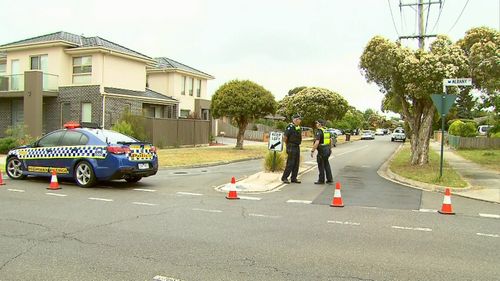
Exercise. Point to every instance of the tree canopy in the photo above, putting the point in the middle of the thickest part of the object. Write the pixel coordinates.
(243, 102)
(313, 104)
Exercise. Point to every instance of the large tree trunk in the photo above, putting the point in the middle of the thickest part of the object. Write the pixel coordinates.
(420, 121)
(242, 126)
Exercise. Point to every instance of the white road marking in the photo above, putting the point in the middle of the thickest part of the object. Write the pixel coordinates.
(490, 216)
(163, 278)
(142, 189)
(427, 210)
(15, 190)
(299, 201)
(144, 204)
(250, 198)
(412, 228)
(56, 194)
(349, 151)
(310, 163)
(264, 216)
(189, 193)
(345, 222)
(101, 199)
(371, 208)
(208, 211)
(488, 235)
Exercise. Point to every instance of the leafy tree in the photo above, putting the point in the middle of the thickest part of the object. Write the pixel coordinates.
(296, 90)
(353, 119)
(243, 102)
(465, 104)
(408, 77)
(313, 104)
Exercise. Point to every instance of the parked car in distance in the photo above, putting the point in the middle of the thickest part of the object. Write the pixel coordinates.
(86, 155)
(379, 132)
(398, 134)
(367, 135)
(483, 129)
(334, 135)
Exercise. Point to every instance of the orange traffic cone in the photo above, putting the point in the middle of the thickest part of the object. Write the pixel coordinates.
(1, 179)
(232, 190)
(337, 197)
(446, 209)
(54, 184)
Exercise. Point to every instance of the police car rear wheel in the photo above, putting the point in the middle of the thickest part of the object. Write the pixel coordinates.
(84, 174)
(15, 169)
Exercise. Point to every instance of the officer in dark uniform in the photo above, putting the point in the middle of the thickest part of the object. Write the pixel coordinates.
(323, 144)
(293, 138)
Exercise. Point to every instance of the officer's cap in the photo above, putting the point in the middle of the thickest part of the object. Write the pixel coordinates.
(321, 121)
(297, 116)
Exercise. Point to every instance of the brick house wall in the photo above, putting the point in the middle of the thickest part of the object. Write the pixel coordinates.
(51, 115)
(115, 108)
(5, 115)
(75, 96)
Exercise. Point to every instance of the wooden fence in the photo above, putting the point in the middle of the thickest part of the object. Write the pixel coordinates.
(176, 132)
(473, 143)
(232, 132)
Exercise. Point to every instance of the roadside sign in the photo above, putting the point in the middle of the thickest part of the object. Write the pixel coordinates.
(275, 141)
(443, 103)
(457, 82)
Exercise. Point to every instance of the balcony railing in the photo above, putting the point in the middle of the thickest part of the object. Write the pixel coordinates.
(12, 83)
(15, 82)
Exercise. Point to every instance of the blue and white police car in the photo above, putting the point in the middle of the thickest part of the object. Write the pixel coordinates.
(85, 154)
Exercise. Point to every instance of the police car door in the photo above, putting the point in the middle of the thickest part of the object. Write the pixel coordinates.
(42, 155)
(70, 144)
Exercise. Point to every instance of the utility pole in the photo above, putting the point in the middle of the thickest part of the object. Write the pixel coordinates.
(420, 18)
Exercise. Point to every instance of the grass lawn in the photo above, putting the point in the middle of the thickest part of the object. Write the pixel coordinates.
(429, 173)
(487, 157)
(205, 155)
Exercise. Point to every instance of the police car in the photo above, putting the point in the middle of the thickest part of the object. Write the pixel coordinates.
(85, 154)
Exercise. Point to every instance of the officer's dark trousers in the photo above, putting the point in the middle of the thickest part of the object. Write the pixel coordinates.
(292, 162)
(323, 164)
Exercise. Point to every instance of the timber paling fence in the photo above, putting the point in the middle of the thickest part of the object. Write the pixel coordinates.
(473, 143)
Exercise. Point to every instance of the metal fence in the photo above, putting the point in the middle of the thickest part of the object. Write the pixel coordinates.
(473, 143)
(177, 132)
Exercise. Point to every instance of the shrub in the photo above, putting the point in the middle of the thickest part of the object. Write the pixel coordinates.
(461, 129)
(135, 123)
(280, 161)
(495, 135)
(281, 125)
(123, 127)
(19, 133)
(7, 144)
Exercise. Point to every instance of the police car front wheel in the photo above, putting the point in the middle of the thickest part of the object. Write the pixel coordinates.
(14, 169)
(84, 174)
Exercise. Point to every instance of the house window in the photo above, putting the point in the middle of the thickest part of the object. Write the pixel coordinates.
(184, 113)
(183, 92)
(190, 83)
(3, 67)
(86, 112)
(205, 114)
(198, 89)
(82, 70)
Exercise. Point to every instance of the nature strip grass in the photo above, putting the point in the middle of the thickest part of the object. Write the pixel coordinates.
(488, 157)
(206, 155)
(428, 173)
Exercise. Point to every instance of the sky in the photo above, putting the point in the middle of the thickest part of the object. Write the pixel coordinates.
(279, 44)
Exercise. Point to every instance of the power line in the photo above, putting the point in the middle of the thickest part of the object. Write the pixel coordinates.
(459, 15)
(392, 16)
(441, 7)
(428, 13)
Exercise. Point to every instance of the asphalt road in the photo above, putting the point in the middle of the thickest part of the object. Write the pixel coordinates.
(176, 225)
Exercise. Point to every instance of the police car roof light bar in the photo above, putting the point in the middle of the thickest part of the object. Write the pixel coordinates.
(71, 125)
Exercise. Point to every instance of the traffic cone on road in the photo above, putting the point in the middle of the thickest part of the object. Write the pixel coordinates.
(446, 209)
(54, 184)
(1, 179)
(337, 197)
(232, 190)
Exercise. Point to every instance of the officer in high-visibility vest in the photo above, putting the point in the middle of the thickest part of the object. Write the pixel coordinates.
(323, 144)
(293, 139)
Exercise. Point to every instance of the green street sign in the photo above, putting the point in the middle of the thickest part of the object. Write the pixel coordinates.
(443, 103)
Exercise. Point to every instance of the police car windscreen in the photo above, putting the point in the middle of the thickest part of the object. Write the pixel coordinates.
(116, 138)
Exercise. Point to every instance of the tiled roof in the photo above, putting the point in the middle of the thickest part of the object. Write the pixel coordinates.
(147, 93)
(79, 41)
(166, 63)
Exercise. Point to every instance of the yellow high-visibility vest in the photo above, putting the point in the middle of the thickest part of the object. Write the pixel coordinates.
(326, 137)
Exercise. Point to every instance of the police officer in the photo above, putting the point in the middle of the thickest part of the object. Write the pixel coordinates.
(293, 138)
(322, 143)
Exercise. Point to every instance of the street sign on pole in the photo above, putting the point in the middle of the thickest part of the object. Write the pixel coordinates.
(443, 103)
(275, 141)
(457, 82)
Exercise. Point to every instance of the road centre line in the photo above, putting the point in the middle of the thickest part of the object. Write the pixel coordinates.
(250, 198)
(56, 194)
(412, 228)
(15, 190)
(488, 235)
(299, 201)
(101, 199)
(264, 216)
(493, 216)
(344, 222)
(189, 193)
(143, 189)
(426, 211)
(144, 204)
(208, 211)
